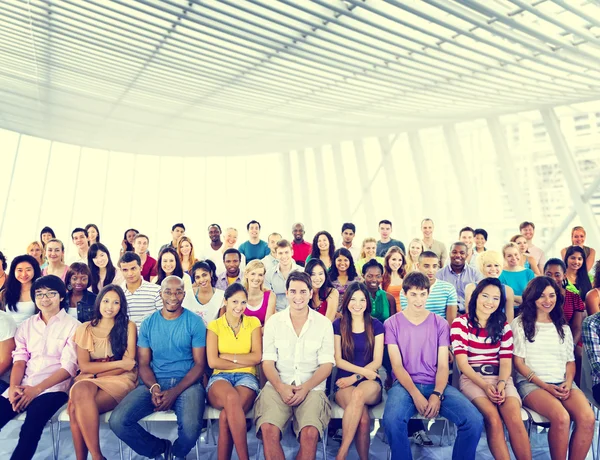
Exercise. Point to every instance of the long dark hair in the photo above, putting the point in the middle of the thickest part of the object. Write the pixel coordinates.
(533, 292)
(160, 272)
(118, 334)
(316, 252)
(12, 290)
(346, 323)
(88, 226)
(110, 268)
(127, 243)
(326, 288)
(209, 267)
(497, 320)
(583, 281)
(333, 271)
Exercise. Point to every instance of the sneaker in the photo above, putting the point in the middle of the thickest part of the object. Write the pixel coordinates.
(420, 438)
(337, 436)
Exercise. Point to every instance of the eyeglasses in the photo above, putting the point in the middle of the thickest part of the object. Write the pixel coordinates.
(48, 295)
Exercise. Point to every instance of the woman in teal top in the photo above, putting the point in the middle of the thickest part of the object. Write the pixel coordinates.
(514, 274)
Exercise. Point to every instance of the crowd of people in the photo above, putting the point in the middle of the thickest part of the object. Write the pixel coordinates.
(288, 326)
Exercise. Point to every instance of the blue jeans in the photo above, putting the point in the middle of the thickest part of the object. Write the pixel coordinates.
(188, 407)
(399, 408)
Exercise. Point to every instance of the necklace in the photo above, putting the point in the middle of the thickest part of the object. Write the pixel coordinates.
(236, 327)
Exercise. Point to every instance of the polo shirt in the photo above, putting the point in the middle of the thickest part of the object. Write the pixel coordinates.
(275, 282)
(301, 251)
(143, 302)
(223, 281)
(459, 281)
(297, 357)
(232, 344)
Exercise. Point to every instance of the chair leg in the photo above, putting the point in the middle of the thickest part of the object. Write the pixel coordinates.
(258, 449)
(120, 449)
(212, 434)
(53, 440)
(197, 449)
(325, 444)
(57, 440)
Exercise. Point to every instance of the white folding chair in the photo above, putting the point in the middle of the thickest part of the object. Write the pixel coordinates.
(586, 387)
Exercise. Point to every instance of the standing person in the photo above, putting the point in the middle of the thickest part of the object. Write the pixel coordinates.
(233, 273)
(458, 273)
(34, 249)
(204, 298)
(577, 279)
(3, 265)
(254, 248)
(527, 229)
(480, 239)
(171, 358)
(276, 277)
(177, 231)
(102, 269)
(368, 252)
(80, 299)
(415, 248)
(301, 249)
(592, 298)
(490, 266)
(168, 264)
(140, 247)
(270, 260)
(143, 298)
(348, 234)
(231, 236)
(467, 235)
(296, 380)
(591, 343)
(514, 274)
(44, 362)
(545, 364)
(325, 298)
(261, 301)
(80, 240)
(343, 271)
(578, 239)
(93, 233)
(527, 259)
(16, 298)
(482, 343)
(385, 242)
(323, 248)
(234, 349)
(358, 357)
(394, 271)
(214, 250)
(417, 342)
(128, 239)
(185, 251)
(55, 255)
(106, 348)
(46, 235)
(429, 244)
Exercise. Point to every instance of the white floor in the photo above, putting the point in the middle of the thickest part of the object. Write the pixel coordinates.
(110, 445)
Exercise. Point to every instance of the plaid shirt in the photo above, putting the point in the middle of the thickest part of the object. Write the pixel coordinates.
(591, 342)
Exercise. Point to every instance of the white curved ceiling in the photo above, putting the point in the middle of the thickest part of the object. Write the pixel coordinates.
(176, 77)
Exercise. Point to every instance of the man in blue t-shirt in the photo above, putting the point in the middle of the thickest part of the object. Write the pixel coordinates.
(171, 358)
(254, 248)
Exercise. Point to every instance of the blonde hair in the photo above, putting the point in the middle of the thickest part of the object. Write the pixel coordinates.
(489, 257)
(39, 245)
(510, 245)
(191, 258)
(410, 264)
(362, 248)
(254, 265)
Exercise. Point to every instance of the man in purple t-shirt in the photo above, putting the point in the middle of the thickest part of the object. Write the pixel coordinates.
(417, 342)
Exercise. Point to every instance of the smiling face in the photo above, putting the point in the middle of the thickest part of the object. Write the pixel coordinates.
(185, 248)
(575, 261)
(369, 249)
(298, 233)
(512, 256)
(298, 295)
(48, 301)
(491, 270)
(35, 251)
(254, 230)
(236, 304)
(427, 228)
(255, 278)
(556, 273)
(24, 272)
(458, 255)
(578, 237)
(342, 264)
(415, 249)
(480, 241)
(92, 235)
(547, 300)
(231, 238)
(373, 278)
(232, 264)
(172, 295)
(46, 237)
(80, 240)
(167, 262)
(323, 243)
(273, 240)
(416, 299)
(214, 234)
(284, 255)
(357, 304)
(79, 282)
(395, 261)
(467, 238)
(528, 232)
(202, 278)
(140, 245)
(318, 277)
(488, 302)
(110, 305)
(54, 252)
(521, 242)
(101, 259)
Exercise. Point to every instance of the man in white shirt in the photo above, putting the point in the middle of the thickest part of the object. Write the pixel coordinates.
(298, 356)
(79, 237)
(215, 250)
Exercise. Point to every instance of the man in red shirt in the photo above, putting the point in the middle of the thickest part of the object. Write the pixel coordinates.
(300, 247)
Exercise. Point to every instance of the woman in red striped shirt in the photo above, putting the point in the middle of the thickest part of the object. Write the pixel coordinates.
(482, 343)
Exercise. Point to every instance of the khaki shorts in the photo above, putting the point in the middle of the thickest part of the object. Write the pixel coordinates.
(315, 411)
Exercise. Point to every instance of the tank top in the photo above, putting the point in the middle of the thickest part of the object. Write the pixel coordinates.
(395, 292)
(322, 308)
(259, 312)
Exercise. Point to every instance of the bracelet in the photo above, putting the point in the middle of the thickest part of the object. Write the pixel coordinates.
(154, 385)
(530, 376)
(501, 380)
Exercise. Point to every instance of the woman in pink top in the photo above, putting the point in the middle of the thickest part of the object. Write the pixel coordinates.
(261, 301)
(45, 360)
(55, 255)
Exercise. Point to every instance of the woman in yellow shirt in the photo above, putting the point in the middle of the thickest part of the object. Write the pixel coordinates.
(234, 349)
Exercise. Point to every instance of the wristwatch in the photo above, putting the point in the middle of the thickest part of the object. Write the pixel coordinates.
(358, 377)
(438, 394)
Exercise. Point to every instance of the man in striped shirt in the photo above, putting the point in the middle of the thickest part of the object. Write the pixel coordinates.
(591, 342)
(143, 298)
(442, 298)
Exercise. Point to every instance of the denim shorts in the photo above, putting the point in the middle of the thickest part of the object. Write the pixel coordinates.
(237, 379)
(525, 388)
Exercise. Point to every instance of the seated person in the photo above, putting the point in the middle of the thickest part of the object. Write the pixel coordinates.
(79, 298)
(44, 362)
(8, 327)
(514, 274)
(591, 344)
(296, 380)
(171, 360)
(234, 349)
(358, 356)
(482, 343)
(418, 342)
